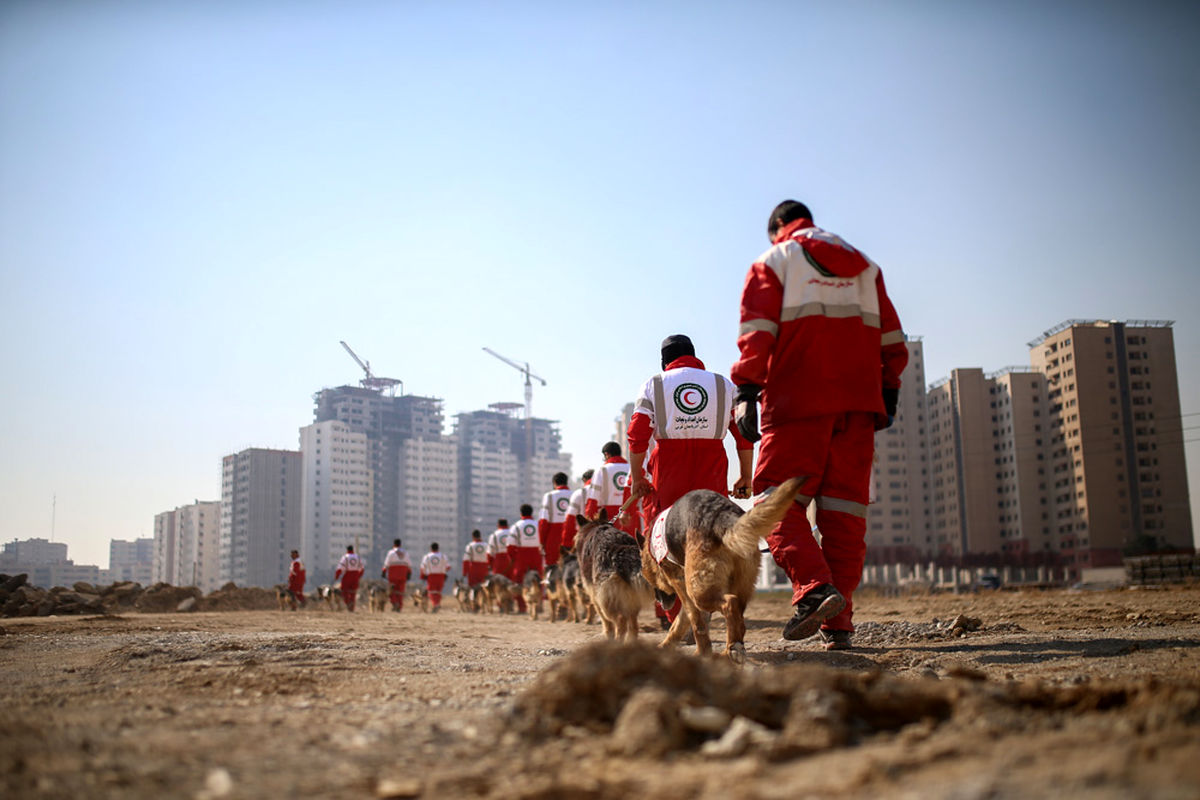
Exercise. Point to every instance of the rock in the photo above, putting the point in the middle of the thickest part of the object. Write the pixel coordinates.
(186, 605)
(741, 735)
(706, 719)
(15, 581)
(649, 724)
(217, 783)
(397, 788)
(83, 587)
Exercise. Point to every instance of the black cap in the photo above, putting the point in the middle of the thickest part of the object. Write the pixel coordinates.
(674, 346)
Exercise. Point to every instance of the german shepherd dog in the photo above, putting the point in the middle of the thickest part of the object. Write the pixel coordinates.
(331, 596)
(561, 579)
(611, 569)
(711, 561)
(500, 594)
(283, 597)
(377, 596)
(420, 597)
(531, 593)
(467, 597)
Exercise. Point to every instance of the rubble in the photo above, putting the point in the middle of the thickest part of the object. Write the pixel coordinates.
(19, 598)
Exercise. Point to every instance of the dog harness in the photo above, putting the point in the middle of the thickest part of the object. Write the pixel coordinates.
(658, 539)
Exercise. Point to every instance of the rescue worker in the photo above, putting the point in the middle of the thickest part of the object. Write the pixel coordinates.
(553, 518)
(524, 550)
(609, 482)
(350, 569)
(475, 560)
(497, 547)
(396, 569)
(821, 346)
(684, 411)
(574, 508)
(434, 568)
(296, 577)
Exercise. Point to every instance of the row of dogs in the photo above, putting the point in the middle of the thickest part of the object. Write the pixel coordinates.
(711, 564)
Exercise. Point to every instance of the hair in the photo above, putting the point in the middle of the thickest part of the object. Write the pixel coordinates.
(611, 449)
(295, 552)
(475, 534)
(559, 478)
(433, 548)
(502, 523)
(396, 542)
(786, 212)
(526, 509)
(587, 474)
(349, 548)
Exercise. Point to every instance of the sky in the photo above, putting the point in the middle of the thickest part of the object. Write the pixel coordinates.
(200, 200)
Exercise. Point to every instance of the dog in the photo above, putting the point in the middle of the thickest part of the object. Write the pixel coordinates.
(610, 566)
(331, 596)
(420, 597)
(561, 579)
(377, 596)
(465, 595)
(531, 592)
(283, 597)
(500, 594)
(704, 549)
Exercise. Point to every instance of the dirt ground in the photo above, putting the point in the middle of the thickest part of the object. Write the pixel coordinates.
(1053, 694)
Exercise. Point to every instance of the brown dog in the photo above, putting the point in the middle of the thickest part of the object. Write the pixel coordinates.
(611, 569)
(704, 548)
(420, 597)
(531, 592)
(500, 594)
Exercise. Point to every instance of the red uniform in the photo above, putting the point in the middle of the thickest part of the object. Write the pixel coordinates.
(397, 568)
(475, 562)
(434, 567)
(574, 506)
(686, 411)
(552, 520)
(524, 549)
(296, 578)
(350, 569)
(608, 488)
(497, 548)
(820, 336)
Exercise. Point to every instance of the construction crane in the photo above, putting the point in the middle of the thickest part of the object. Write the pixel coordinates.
(385, 385)
(528, 383)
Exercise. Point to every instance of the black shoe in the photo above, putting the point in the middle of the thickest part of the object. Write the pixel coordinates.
(814, 608)
(836, 640)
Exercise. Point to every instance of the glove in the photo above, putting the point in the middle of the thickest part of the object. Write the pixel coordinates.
(745, 411)
(891, 397)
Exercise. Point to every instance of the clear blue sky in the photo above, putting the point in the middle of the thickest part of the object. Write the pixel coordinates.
(199, 200)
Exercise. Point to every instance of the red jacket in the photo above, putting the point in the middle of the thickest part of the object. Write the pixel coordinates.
(818, 332)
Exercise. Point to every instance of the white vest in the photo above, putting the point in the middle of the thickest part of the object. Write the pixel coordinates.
(526, 533)
(555, 505)
(687, 403)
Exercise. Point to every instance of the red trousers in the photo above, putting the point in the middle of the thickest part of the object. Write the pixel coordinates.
(397, 578)
(435, 583)
(501, 564)
(350, 589)
(568, 531)
(523, 560)
(552, 541)
(835, 451)
(476, 572)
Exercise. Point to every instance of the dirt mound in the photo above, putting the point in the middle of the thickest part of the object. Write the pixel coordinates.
(653, 702)
(233, 598)
(163, 597)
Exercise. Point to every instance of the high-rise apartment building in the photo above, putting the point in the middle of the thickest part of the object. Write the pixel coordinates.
(389, 422)
(337, 490)
(132, 561)
(502, 463)
(898, 523)
(428, 494)
(260, 515)
(187, 545)
(1116, 475)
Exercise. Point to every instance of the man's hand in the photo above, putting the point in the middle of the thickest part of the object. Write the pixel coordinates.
(640, 487)
(891, 398)
(745, 411)
(741, 489)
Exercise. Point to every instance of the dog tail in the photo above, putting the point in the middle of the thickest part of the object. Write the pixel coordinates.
(755, 524)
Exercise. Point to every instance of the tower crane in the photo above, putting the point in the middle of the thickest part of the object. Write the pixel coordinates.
(524, 368)
(370, 381)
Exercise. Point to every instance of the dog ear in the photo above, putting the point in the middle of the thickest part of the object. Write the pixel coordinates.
(641, 540)
(581, 520)
(603, 515)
